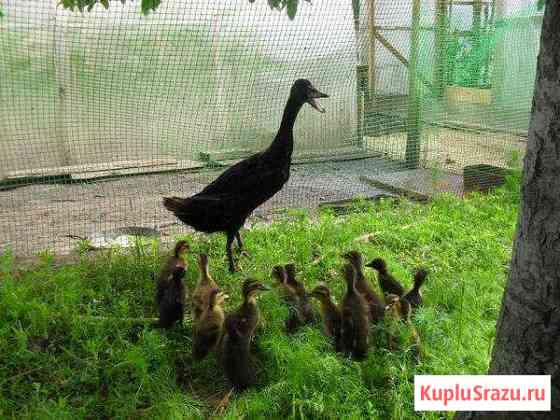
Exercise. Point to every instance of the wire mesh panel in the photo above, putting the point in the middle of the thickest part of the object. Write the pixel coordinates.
(89, 99)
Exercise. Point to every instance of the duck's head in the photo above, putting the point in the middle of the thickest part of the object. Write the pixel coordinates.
(181, 248)
(290, 272)
(377, 264)
(279, 273)
(251, 287)
(353, 257)
(321, 293)
(304, 91)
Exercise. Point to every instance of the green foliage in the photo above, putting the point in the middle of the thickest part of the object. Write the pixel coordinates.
(468, 58)
(74, 341)
(148, 6)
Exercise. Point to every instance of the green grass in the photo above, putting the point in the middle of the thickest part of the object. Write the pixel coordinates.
(56, 361)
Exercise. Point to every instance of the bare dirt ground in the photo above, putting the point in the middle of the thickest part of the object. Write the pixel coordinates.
(452, 150)
(38, 217)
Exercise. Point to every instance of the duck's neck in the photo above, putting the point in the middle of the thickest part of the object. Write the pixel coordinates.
(283, 143)
(328, 305)
(351, 287)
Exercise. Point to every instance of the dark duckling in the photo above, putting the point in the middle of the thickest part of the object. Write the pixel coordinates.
(398, 315)
(304, 303)
(208, 329)
(204, 288)
(388, 284)
(289, 296)
(355, 317)
(376, 306)
(414, 296)
(207, 312)
(240, 328)
(170, 291)
(332, 316)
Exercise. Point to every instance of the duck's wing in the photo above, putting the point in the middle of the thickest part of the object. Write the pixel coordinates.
(254, 177)
(230, 179)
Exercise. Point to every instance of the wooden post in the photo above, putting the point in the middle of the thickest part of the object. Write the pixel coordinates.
(359, 93)
(440, 61)
(61, 66)
(498, 68)
(412, 154)
(371, 50)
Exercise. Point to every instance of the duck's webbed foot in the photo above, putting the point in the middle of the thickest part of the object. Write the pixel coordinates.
(240, 246)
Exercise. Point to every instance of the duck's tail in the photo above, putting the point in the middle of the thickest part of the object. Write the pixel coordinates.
(173, 204)
(420, 278)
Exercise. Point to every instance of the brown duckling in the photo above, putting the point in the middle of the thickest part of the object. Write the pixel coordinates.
(208, 328)
(240, 328)
(304, 305)
(399, 311)
(355, 317)
(414, 296)
(204, 288)
(289, 296)
(387, 282)
(376, 306)
(332, 317)
(170, 290)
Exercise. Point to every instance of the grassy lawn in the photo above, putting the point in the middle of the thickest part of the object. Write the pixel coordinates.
(66, 352)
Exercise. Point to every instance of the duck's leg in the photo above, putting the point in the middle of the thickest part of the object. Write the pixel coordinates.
(229, 246)
(239, 242)
(240, 245)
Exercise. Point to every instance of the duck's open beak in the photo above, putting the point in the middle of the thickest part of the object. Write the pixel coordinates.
(312, 100)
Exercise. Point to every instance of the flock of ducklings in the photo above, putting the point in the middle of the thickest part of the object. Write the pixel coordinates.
(231, 335)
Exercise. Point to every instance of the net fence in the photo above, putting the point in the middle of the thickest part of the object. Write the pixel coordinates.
(104, 112)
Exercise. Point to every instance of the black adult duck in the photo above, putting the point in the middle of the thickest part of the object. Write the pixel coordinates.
(225, 204)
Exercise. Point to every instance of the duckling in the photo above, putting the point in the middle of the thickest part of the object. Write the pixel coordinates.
(387, 282)
(332, 317)
(414, 296)
(170, 290)
(208, 329)
(289, 296)
(239, 331)
(304, 306)
(399, 311)
(204, 288)
(376, 307)
(355, 317)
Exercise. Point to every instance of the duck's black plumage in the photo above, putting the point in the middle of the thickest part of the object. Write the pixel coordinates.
(332, 317)
(414, 296)
(170, 290)
(355, 317)
(388, 283)
(170, 298)
(225, 204)
(376, 307)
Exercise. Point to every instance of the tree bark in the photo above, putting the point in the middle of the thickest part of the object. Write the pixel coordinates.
(528, 330)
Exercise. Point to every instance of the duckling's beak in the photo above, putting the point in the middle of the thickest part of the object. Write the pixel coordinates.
(262, 287)
(312, 99)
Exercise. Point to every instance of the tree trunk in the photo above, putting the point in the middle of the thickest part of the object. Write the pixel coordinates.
(528, 330)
